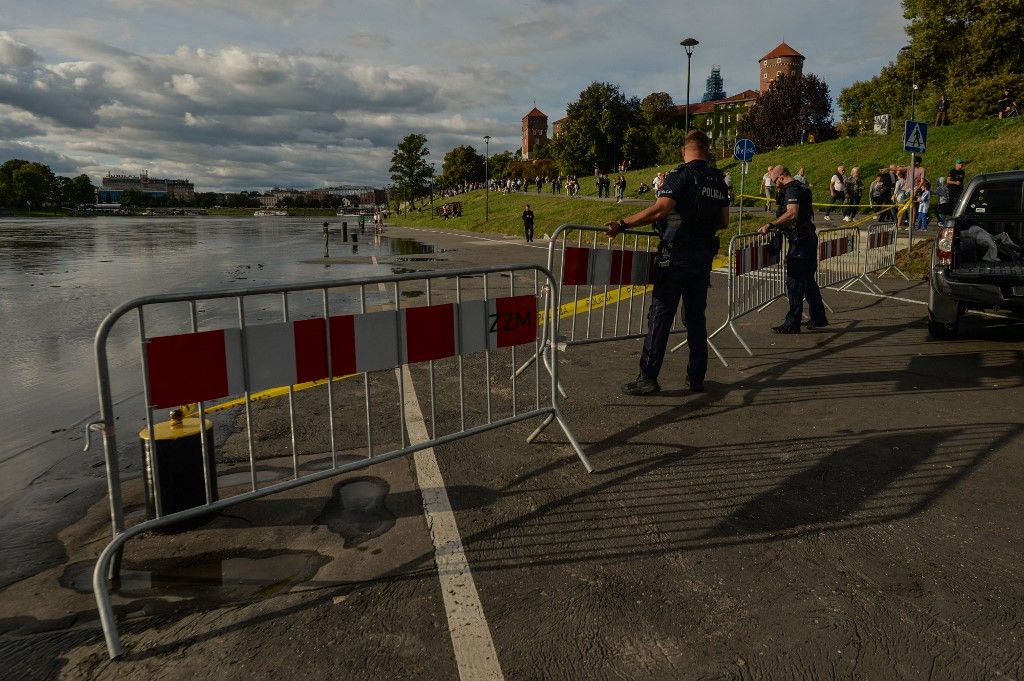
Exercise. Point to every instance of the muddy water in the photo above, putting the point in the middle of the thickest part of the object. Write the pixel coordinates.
(59, 278)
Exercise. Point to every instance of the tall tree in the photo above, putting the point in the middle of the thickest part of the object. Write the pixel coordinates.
(462, 164)
(595, 132)
(658, 108)
(791, 106)
(32, 184)
(82, 189)
(409, 168)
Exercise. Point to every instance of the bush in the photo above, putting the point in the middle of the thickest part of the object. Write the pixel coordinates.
(978, 100)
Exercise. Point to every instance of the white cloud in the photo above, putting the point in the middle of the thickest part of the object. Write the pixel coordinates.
(16, 54)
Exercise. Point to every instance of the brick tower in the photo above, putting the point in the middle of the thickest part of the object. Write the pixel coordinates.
(783, 60)
(535, 130)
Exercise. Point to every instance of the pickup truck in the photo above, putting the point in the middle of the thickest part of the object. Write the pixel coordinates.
(977, 261)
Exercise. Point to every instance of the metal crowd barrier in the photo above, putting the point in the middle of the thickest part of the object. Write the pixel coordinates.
(839, 262)
(880, 254)
(757, 278)
(608, 274)
(342, 337)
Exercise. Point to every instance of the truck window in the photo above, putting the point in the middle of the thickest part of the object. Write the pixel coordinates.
(996, 197)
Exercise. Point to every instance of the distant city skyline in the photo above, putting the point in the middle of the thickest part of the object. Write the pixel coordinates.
(310, 93)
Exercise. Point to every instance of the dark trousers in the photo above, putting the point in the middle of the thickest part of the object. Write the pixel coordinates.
(528, 230)
(838, 199)
(801, 265)
(671, 284)
(852, 201)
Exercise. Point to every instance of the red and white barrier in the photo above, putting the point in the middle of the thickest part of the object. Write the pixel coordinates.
(599, 267)
(880, 256)
(838, 257)
(209, 365)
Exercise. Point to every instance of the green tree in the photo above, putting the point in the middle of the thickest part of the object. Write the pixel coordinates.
(658, 108)
(792, 105)
(954, 46)
(596, 131)
(498, 165)
(82, 189)
(61, 191)
(409, 168)
(32, 183)
(461, 164)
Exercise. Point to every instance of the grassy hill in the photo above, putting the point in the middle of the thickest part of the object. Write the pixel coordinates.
(988, 145)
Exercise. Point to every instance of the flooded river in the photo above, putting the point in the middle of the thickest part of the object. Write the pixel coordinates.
(60, 277)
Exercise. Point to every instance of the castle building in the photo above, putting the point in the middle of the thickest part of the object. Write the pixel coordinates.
(535, 131)
(783, 60)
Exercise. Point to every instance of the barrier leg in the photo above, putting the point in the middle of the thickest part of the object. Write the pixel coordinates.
(575, 444)
(100, 589)
(547, 365)
(717, 353)
(540, 429)
(740, 338)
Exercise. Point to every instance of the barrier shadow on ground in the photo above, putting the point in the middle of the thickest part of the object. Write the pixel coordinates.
(688, 499)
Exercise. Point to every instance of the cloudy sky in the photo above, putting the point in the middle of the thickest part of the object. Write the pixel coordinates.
(249, 94)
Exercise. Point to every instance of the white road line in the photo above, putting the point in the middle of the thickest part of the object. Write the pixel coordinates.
(475, 656)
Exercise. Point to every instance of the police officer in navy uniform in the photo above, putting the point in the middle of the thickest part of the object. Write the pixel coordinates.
(794, 218)
(692, 205)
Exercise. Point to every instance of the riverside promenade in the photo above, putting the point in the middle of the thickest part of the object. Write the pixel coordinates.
(828, 508)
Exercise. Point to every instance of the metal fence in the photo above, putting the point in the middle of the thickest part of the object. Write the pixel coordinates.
(606, 283)
(839, 258)
(880, 254)
(757, 277)
(368, 331)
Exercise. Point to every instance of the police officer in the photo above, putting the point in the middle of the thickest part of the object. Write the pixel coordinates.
(794, 218)
(692, 205)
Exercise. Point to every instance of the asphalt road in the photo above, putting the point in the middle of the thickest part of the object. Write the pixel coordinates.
(844, 504)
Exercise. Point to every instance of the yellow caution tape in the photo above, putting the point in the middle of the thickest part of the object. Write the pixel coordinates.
(885, 206)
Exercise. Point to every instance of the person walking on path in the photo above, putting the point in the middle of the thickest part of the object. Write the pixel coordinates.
(528, 223)
(620, 189)
(768, 189)
(854, 190)
(794, 219)
(836, 191)
(691, 208)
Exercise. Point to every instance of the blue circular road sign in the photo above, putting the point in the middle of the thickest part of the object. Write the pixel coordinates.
(744, 150)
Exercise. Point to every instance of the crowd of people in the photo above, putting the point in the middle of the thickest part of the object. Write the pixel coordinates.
(887, 194)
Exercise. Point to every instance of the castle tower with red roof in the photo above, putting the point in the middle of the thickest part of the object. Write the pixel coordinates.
(783, 60)
(535, 131)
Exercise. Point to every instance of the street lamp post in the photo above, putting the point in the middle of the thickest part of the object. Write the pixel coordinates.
(688, 45)
(911, 174)
(431, 190)
(487, 180)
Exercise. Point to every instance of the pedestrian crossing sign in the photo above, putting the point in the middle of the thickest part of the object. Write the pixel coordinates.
(915, 137)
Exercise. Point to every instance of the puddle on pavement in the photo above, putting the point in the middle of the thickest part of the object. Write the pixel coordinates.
(223, 578)
(324, 464)
(412, 294)
(242, 477)
(356, 510)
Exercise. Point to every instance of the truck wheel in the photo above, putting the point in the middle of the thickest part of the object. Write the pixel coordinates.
(938, 330)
